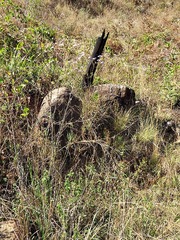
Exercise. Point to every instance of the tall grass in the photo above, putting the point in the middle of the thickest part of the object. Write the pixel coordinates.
(131, 191)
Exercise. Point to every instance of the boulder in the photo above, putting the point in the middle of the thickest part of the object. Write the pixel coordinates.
(112, 98)
(60, 115)
(124, 96)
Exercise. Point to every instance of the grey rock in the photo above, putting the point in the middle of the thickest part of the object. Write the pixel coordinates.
(109, 92)
(60, 115)
(112, 98)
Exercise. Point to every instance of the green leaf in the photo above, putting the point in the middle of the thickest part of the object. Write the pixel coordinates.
(25, 112)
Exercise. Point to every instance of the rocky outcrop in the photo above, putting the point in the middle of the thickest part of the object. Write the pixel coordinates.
(60, 113)
(60, 116)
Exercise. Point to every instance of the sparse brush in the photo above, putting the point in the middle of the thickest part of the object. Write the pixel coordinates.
(147, 133)
(121, 184)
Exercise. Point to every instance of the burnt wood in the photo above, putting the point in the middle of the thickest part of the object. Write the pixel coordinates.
(97, 52)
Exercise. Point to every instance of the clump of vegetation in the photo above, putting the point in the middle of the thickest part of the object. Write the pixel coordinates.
(132, 190)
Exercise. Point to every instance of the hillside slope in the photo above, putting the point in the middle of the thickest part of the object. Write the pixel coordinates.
(47, 44)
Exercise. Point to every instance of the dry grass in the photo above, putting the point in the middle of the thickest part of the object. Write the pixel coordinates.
(46, 44)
